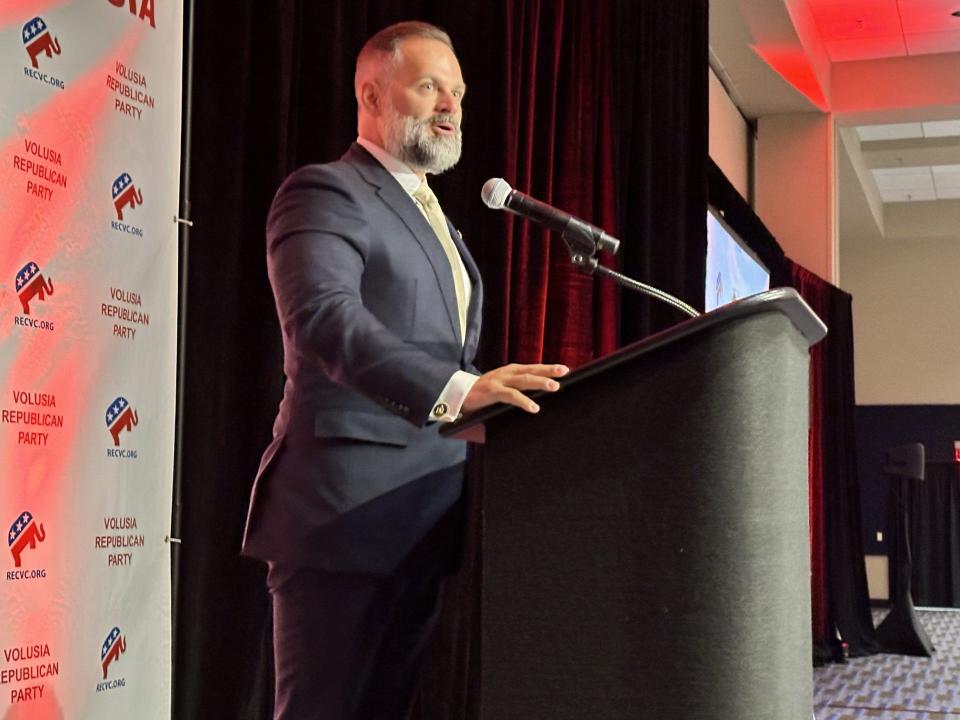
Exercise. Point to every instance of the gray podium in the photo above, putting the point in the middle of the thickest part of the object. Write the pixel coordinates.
(644, 543)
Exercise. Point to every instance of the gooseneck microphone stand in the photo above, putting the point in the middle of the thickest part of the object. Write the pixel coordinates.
(583, 255)
(583, 240)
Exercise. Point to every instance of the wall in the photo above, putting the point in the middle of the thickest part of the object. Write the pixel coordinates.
(906, 304)
(795, 187)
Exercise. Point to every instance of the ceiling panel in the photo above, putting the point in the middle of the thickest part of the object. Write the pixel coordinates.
(921, 16)
(911, 184)
(876, 47)
(946, 179)
(933, 42)
(941, 128)
(918, 180)
(901, 171)
(896, 131)
(907, 195)
(868, 29)
(855, 19)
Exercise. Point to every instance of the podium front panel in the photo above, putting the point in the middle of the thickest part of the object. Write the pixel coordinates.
(645, 538)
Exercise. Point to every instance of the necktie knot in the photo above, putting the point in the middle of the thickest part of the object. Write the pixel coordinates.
(424, 195)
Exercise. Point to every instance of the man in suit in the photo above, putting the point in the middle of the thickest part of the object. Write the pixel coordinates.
(355, 505)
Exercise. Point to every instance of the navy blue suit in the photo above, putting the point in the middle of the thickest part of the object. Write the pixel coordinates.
(354, 496)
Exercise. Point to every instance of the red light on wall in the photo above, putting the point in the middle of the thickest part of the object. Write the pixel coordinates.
(792, 65)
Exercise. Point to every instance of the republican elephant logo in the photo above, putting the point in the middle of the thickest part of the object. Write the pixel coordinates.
(24, 531)
(37, 39)
(120, 417)
(125, 193)
(31, 284)
(114, 645)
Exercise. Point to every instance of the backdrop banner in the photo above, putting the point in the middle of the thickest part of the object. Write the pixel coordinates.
(90, 108)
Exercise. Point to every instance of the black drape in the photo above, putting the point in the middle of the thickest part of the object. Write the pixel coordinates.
(273, 90)
(661, 63)
(835, 520)
(933, 511)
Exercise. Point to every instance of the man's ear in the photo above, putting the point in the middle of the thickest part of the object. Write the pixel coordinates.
(370, 98)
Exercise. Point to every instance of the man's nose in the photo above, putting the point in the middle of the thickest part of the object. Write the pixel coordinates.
(447, 102)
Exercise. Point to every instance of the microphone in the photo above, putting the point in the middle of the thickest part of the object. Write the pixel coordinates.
(498, 194)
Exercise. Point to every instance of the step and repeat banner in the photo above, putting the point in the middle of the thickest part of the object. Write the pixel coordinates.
(90, 108)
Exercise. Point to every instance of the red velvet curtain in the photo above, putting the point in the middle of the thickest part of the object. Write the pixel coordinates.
(810, 287)
(557, 119)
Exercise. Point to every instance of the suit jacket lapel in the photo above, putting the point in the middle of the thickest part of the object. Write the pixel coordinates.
(476, 295)
(389, 190)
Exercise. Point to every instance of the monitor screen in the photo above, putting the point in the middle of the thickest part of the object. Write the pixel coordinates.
(732, 272)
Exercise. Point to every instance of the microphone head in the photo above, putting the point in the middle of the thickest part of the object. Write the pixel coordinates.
(494, 193)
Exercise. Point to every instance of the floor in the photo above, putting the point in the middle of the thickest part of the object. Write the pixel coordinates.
(897, 687)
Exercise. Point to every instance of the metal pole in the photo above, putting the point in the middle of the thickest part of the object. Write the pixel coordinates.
(184, 223)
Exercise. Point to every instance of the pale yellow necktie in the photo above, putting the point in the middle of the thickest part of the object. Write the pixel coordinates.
(428, 201)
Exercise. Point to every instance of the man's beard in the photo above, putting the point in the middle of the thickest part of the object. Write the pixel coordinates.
(413, 141)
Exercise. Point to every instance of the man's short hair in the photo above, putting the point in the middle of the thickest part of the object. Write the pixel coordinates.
(385, 45)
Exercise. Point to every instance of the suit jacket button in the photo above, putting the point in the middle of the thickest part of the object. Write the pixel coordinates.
(439, 410)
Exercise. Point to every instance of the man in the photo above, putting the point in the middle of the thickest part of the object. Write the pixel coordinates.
(354, 507)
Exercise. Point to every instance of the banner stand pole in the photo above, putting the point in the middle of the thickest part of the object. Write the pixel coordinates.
(185, 224)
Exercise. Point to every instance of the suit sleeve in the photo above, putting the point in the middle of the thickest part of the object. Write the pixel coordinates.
(318, 242)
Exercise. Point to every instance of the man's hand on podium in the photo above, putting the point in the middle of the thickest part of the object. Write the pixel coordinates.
(505, 385)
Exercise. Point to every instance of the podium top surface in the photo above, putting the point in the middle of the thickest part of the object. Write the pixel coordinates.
(786, 301)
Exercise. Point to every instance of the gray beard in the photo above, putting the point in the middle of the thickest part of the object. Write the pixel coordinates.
(415, 144)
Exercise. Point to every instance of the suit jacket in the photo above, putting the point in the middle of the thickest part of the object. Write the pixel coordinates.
(367, 309)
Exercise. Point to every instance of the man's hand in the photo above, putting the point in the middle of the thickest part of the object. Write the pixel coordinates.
(504, 385)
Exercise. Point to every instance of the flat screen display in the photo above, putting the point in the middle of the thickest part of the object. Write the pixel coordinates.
(732, 272)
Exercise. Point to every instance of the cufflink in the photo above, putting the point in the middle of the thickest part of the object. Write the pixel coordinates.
(439, 410)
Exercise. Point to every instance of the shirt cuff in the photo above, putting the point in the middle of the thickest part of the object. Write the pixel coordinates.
(447, 407)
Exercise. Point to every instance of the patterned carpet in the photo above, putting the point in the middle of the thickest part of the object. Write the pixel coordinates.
(896, 687)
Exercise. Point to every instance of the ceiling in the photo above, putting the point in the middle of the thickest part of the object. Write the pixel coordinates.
(889, 73)
(870, 29)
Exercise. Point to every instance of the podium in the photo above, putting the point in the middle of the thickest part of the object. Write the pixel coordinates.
(644, 545)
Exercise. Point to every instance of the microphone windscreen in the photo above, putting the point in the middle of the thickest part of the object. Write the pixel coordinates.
(494, 193)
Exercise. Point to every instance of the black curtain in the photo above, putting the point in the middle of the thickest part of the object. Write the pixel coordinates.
(839, 574)
(661, 64)
(933, 511)
(272, 91)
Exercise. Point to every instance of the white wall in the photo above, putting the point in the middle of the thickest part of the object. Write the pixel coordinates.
(796, 177)
(906, 319)
(729, 137)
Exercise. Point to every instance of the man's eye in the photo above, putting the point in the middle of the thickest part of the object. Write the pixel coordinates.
(427, 86)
